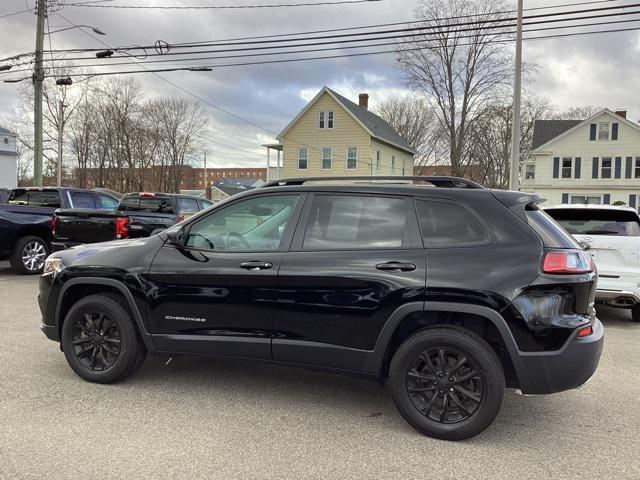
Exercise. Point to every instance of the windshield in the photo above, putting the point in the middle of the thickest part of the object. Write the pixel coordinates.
(623, 223)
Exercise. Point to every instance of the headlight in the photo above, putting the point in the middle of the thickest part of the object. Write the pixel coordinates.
(52, 264)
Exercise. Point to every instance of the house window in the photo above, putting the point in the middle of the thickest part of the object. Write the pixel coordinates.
(530, 172)
(603, 131)
(352, 158)
(393, 164)
(326, 158)
(566, 167)
(302, 159)
(320, 120)
(378, 161)
(6, 141)
(606, 168)
(404, 167)
(637, 173)
(586, 199)
(329, 119)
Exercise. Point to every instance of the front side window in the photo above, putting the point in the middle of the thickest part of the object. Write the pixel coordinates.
(326, 158)
(606, 168)
(320, 119)
(35, 198)
(566, 167)
(329, 119)
(603, 131)
(530, 172)
(352, 158)
(107, 203)
(254, 224)
(339, 222)
(446, 224)
(303, 159)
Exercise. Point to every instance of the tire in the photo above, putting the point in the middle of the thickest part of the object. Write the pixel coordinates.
(419, 391)
(92, 357)
(29, 254)
(635, 313)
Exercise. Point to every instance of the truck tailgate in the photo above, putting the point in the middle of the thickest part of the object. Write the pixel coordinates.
(85, 226)
(142, 224)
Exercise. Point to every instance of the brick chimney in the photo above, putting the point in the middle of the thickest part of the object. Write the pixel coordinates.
(621, 112)
(363, 100)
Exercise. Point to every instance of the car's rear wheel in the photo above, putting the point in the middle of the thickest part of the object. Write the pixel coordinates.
(29, 254)
(100, 340)
(635, 313)
(447, 383)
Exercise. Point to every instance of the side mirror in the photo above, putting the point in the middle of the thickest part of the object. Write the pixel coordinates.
(175, 236)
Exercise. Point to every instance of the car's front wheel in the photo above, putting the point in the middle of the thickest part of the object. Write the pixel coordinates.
(100, 340)
(447, 383)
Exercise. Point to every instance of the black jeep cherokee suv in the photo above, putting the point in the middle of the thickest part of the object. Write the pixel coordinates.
(449, 290)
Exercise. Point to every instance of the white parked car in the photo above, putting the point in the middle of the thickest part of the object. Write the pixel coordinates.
(612, 236)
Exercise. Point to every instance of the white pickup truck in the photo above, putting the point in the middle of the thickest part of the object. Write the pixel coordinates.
(612, 236)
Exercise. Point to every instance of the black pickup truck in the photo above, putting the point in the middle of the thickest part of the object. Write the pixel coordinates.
(25, 221)
(137, 215)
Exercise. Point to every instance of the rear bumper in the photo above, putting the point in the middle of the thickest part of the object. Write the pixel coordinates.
(58, 246)
(621, 298)
(565, 369)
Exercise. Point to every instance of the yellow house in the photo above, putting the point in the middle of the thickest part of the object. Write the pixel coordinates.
(333, 136)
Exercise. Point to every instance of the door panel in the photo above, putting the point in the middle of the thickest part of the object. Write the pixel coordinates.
(216, 294)
(357, 259)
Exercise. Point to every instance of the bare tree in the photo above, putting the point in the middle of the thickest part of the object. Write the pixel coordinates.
(413, 117)
(576, 113)
(461, 70)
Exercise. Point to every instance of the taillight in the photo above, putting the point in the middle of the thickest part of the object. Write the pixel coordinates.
(54, 222)
(180, 218)
(121, 227)
(585, 332)
(567, 262)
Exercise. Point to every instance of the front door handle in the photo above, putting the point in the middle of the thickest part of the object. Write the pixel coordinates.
(396, 267)
(256, 265)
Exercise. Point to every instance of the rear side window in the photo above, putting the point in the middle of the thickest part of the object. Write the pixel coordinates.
(445, 224)
(551, 233)
(188, 204)
(155, 204)
(83, 200)
(589, 221)
(35, 198)
(340, 222)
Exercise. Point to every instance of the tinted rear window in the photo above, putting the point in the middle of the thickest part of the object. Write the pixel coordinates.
(83, 200)
(597, 221)
(35, 198)
(551, 233)
(188, 204)
(157, 204)
(446, 224)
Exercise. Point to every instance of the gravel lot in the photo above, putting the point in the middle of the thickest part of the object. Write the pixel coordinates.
(205, 418)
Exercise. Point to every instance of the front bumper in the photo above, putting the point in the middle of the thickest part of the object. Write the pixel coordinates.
(564, 369)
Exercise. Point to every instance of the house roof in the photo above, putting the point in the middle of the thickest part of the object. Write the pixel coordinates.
(230, 191)
(372, 123)
(545, 130)
(4, 131)
(567, 128)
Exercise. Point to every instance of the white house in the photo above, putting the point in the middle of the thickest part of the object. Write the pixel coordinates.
(8, 159)
(596, 160)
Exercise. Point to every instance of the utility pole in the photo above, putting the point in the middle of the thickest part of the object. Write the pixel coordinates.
(38, 77)
(514, 180)
(206, 185)
(60, 129)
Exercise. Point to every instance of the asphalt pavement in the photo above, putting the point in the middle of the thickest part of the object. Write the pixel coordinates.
(203, 418)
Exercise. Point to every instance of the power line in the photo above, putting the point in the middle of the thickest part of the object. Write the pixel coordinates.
(14, 13)
(219, 7)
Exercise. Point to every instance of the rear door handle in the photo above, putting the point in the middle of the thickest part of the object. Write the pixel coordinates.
(256, 265)
(396, 267)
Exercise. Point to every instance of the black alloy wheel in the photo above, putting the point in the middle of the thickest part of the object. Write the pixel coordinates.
(445, 385)
(96, 341)
(447, 382)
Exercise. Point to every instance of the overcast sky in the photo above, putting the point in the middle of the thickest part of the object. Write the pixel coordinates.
(596, 69)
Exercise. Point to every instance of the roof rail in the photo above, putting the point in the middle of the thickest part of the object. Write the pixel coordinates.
(441, 182)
